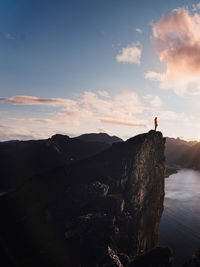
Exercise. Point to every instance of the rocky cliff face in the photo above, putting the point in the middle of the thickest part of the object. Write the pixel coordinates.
(101, 211)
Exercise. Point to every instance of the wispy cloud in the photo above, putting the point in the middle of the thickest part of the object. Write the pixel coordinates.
(154, 76)
(33, 100)
(9, 132)
(30, 120)
(120, 122)
(89, 111)
(130, 54)
(139, 30)
(177, 42)
(154, 101)
(10, 37)
(104, 93)
(123, 110)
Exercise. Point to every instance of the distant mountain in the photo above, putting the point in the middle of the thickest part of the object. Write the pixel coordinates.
(73, 149)
(175, 148)
(191, 157)
(99, 137)
(23, 159)
(182, 153)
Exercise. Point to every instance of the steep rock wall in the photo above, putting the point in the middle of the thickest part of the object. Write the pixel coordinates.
(102, 211)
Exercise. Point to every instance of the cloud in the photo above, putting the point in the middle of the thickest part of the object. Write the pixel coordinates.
(88, 112)
(30, 120)
(8, 132)
(171, 115)
(154, 76)
(119, 122)
(195, 7)
(104, 93)
(123, 112)
(139, 30)
(154, 101)
(33, 100)
(130, 54)
(177, 42)
(121, 107)
(89, 106)
(10, 37)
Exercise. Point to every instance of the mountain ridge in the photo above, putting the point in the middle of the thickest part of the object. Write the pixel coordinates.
(22, 159)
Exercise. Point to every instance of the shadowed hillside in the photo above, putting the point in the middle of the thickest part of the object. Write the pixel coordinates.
(23, 159)
(99, 211)
(175, 148)
(182, 153)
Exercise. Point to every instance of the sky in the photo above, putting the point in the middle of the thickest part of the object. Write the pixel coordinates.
(75, 66)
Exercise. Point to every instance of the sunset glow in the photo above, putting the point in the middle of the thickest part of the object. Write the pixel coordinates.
(104, 66)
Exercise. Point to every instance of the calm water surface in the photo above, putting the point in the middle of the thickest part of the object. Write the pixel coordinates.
(180, 224)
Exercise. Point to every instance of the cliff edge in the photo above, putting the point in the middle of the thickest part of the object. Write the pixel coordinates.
(101, 211)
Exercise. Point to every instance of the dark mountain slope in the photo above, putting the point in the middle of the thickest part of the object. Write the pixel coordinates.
(175, 148)
(100, 211)
(23, 159)
(182, 153)
(191, 158)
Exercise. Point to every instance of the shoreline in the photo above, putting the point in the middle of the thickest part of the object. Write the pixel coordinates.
(171, 170)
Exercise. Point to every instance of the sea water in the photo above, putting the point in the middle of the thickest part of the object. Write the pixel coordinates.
(180, 223)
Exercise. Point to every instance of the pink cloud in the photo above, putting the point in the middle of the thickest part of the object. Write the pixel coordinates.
(9, 132)
(177, 42)
(121, 122)
(33, 100)
(88, 112)
(32, 120)
(125, 111)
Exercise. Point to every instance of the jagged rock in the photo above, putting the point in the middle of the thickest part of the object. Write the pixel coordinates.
(115, 261)
(99, 208)
(125, 260)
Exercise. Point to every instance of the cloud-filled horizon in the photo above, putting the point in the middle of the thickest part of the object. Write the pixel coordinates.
(125, 109)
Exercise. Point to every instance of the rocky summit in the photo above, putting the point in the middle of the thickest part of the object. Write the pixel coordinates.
(101, 211)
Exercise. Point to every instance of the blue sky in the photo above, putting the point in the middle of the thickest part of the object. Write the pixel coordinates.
(68, 50)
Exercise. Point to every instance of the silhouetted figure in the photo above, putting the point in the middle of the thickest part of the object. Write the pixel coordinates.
(156, 123)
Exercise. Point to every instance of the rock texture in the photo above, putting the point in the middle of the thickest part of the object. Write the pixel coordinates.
(101, 211)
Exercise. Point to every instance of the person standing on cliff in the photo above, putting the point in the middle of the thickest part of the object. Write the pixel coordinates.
(156, 123)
